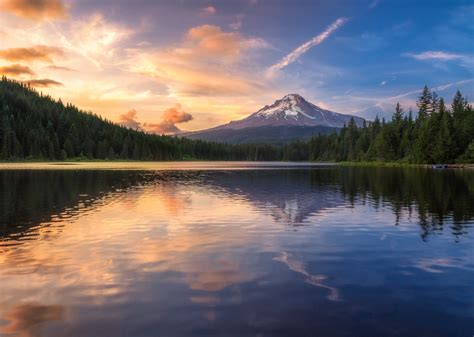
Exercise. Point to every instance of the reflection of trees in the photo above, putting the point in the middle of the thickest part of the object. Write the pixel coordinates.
(31, 197)
(437, 196)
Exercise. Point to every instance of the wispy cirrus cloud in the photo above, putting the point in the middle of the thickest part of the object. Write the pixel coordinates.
(35, 9)
(95, 38)
(54, 67)
(305, 47)
(16, 70)
(35, 53)
(385, 103)
(441, 57)
(435, 55)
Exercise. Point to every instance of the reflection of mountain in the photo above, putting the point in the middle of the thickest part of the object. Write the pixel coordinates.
(434, 197)
(32, 197)
(289, 195)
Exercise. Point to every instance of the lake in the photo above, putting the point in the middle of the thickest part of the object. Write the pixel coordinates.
(235, 249)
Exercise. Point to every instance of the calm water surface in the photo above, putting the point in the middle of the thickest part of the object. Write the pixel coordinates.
(233, 249)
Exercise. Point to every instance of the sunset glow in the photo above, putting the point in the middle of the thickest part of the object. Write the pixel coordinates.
(220, 61)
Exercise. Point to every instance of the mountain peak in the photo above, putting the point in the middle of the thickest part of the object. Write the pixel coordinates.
(294, 99)
(291, 106)
(291, 96)
(287, 113)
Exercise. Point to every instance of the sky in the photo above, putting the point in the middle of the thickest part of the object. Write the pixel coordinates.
(169, 65)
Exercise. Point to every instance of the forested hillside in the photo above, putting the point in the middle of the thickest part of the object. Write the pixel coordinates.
(37, 127)
(437, 135)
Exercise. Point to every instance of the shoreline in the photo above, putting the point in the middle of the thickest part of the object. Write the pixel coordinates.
(203, 164)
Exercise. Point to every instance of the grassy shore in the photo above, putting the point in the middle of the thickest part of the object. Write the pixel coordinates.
(344, 163)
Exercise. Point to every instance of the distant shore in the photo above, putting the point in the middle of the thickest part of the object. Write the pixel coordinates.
(398, 164)
(201, 164)
(159, 165)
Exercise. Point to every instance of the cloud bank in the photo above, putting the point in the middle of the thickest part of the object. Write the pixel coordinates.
(16, 70)
(208, 62)
(43, 83)
(35, 53)
(167, 125)
(35, 9)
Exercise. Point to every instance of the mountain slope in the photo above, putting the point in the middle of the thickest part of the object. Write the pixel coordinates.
(288, 119)
(277, 135)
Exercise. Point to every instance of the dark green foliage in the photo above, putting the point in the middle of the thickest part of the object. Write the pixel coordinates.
(437, 135)
(37, 127)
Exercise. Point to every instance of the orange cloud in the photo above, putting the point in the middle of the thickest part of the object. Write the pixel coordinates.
(130, 120)
(211, 40)
(43, 83)
(175, 115)
(169, 119)
(16, 70)
(34, 9)
(36, 53)
(206, 63)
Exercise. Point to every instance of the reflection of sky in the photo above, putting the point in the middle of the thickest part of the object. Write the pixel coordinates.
(186, 256)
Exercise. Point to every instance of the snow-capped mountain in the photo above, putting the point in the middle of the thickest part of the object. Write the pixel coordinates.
(289, 118)
(293, 109)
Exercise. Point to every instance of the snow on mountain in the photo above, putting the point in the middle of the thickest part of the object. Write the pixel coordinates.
(293, 110)
(288, 119)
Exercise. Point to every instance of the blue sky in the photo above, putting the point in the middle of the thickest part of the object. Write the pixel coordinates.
(138, 61)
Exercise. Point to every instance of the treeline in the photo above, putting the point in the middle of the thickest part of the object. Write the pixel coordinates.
(437, 135)
(37, 127)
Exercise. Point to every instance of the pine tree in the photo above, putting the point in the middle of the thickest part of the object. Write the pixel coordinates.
(424, 103)
(398, 114)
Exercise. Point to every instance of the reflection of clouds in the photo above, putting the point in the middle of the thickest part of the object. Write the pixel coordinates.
(192, 256)
(316, 280)
(153, 229)
(437, 265)
(215, 277)
(26, 320)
